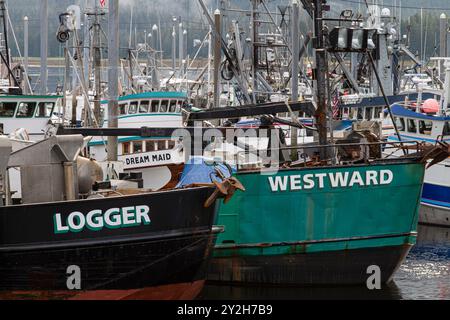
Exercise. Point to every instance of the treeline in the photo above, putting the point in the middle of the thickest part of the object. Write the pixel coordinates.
(423, 28)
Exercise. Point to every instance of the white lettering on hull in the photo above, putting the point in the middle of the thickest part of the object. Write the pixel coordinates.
(96, 220)
(335, 180)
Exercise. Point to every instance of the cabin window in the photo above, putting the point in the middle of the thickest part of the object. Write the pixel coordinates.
(345, 112)
(126, 148)
(122, 109)
(171, 145)
(360, 115)
(179, 105)
(446, 129)
(164, 106)
(162, 145)
(7, 109)
(400, 122)
(26, 109)
(45, 109)
(412, 127)
(425, 127)
(377, 112)
(368, 114)
(173, 106)
(155, 106)
(138, 147)
(132, 109)
(143, 107)
(150, 146)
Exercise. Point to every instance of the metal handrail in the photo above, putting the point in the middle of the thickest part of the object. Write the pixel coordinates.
(391, 145)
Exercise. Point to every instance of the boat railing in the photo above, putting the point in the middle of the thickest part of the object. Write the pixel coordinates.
(341, 153)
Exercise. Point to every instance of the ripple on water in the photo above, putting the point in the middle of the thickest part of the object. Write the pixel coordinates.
(426, 272)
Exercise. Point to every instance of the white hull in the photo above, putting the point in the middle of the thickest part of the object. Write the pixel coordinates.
(434, 215)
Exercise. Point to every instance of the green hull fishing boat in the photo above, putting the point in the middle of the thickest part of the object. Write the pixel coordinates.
(315, 226)
(340, 216)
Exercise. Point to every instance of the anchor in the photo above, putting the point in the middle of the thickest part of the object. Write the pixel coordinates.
(225, 188)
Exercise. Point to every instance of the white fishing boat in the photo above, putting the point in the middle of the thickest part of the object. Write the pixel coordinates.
(159, 159)
(34, 113)
(415, 125)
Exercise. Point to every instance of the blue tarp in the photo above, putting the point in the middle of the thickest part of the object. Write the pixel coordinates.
(202, 170)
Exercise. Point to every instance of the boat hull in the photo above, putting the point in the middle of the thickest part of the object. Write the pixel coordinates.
(164, 259)
(343, 267)
(321, 234)
(434, 215)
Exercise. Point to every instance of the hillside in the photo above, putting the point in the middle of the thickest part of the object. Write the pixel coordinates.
(149, 12)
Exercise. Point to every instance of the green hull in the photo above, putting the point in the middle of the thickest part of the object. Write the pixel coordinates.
(365, 212)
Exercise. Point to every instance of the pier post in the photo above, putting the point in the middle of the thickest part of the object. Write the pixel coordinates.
(44, 46)
(113, 77)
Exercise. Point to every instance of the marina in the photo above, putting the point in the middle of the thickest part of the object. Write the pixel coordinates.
(272, 150)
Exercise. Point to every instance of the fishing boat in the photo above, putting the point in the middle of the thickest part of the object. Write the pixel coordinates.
(34, 113)
(159, 159)
(320, 224)
(334, 214)
(112, 243)
(416, 125)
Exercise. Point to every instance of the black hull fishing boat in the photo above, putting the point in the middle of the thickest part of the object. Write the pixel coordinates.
(150, 246)
(72, 237)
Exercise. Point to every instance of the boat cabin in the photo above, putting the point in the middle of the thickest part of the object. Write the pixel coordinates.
(29, 112)
(419, 126)
(150, 103)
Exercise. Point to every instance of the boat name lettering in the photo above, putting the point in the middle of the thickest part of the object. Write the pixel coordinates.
(332, 179)
(147, 159)
(96, 220)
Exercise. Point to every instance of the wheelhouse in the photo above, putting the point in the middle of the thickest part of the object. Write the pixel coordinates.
(21, 107)
(418, 125)
(151, 103)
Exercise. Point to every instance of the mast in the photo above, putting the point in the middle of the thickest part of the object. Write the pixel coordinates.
(97, 63)
(113, 76)
(217, 58)
(44, 45)
(180, 47)
(321, 67)
(26, 53)
(255, 52)
(155, 72)
(174, 46)
(5, 31)
(87, 42)
(295, 68)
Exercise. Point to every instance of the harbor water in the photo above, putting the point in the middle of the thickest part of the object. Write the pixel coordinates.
(425, 275)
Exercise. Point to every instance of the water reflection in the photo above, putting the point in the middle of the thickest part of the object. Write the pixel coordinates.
(424, 275)
(426, 271)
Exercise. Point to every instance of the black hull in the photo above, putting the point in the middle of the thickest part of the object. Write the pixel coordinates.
(166, 259)
(347, 267)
